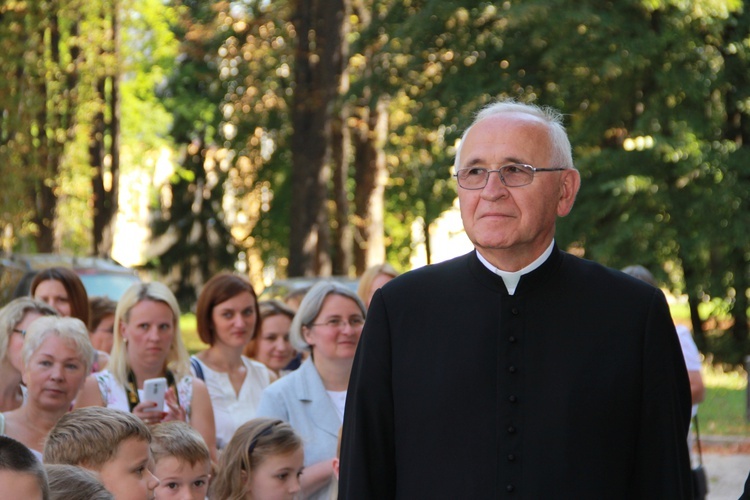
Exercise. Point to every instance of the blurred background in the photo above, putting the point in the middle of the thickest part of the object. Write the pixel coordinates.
(306, 138)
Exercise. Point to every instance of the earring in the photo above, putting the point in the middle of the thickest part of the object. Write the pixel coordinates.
(125, 341)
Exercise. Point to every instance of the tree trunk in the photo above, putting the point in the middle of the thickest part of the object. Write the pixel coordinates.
(739, 308)
(370, 175)
(318, 24)
(106, 192)
(342, 234)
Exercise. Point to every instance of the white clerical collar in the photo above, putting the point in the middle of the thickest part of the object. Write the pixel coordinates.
(511, 279)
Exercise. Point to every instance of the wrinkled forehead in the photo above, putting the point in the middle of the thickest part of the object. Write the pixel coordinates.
(507, 138)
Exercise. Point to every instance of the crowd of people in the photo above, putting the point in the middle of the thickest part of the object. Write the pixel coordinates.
(241, 419)
(455, 379)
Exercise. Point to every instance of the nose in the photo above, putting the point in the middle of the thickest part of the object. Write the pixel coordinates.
(57, 371)
(495, 187)
(152, 481)
(153, 333)
(294, 486)
(280, 344)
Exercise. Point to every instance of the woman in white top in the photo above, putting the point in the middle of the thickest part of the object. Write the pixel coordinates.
(227, 317)
(328, 324)
(57, 357)
(148, 344)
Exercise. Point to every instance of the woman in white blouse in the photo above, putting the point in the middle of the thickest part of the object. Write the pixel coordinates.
(227, 317)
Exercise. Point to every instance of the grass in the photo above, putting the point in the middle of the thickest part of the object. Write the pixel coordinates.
(190, 334)
(723, 410)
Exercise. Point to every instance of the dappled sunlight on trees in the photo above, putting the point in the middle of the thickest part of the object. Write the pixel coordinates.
(306, 144)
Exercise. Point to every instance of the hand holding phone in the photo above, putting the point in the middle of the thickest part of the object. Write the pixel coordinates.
(154, 390)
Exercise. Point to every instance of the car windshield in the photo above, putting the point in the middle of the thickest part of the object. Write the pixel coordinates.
(110, 285)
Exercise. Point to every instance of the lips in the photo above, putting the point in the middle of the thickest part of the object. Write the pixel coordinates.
(494, 215)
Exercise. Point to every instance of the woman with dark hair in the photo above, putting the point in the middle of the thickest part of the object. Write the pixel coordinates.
(61, 288)
(227, 317)
(272, 346)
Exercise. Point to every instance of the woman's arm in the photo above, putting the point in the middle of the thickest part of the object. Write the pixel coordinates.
(316, 476)
(697, 389)
(89, 395)
(202, 416)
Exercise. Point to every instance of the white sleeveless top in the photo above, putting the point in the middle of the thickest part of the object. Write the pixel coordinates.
(231, 410)
(115, 396)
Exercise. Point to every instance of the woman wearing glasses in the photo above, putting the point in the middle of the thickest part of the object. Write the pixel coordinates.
(15, 319)
(328, 324)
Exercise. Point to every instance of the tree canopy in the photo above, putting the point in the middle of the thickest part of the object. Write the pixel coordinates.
(308, 137)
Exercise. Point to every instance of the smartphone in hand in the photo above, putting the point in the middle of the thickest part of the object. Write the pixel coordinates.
(154, 390)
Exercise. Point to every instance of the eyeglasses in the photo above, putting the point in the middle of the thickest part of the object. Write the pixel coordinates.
(512, 175)
(338, 323)
(22, 332)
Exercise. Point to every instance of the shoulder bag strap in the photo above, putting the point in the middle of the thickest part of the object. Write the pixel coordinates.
(698, 439)
(197, 368)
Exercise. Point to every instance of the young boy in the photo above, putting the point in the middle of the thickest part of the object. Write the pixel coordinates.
(183, 463)
(22, 476)
(111, 442)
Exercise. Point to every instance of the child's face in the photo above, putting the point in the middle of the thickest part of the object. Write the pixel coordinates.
(20, 485)
(277, 477)
(181, 480)
(127, 475)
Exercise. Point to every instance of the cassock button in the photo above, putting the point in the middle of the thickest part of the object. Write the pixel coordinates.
(512, 399)
(512, 369)
(511, 339)
(511, 429)
(510, 488)
(511, 457)
(515, 311)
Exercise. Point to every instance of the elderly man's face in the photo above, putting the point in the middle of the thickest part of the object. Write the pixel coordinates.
(511, 227)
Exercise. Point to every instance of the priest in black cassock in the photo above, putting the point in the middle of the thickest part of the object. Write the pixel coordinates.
(518, 370)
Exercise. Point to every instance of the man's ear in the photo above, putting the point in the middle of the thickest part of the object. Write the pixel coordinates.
(569, 185)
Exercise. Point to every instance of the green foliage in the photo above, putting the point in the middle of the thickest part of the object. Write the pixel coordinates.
(722, 412)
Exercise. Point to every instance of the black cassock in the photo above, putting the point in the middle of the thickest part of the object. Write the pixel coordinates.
(574, 387)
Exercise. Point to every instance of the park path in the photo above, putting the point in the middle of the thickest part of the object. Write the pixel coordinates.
(727, 463)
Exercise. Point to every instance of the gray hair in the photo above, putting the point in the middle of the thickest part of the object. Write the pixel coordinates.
(310, 307)
(14, 312)
(641, 273)
(71, 329)
(562, 155)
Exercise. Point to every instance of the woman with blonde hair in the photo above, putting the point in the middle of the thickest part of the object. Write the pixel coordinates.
(372, 279)
(15, 318)
(147, 344)
(262, 461)
(57, 357)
